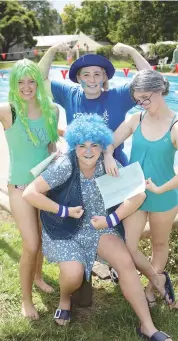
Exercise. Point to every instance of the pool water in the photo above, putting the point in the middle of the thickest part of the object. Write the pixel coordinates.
(118, 79)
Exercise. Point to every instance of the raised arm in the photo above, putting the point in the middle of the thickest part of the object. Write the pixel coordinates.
(46, 61)
(126, 50)
(58, 90)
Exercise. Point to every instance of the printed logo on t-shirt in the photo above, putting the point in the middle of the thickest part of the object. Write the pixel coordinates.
(40, 133)
(105, 115)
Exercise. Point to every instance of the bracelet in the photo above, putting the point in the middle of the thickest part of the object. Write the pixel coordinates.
(112, 220)
(63, 211)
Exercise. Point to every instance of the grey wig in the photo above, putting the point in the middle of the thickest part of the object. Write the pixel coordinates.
(149, 81)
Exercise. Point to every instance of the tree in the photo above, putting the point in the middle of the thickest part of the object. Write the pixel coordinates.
(69, 17)
(130, 22)
(17, 25)
(48, 17)
(146, 21)
(98, 18)
(166, 19)
(1, 41)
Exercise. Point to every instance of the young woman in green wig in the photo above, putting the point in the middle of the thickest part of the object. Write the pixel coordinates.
(30, 122)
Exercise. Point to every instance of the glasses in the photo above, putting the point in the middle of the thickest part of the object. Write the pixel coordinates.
(146, 101)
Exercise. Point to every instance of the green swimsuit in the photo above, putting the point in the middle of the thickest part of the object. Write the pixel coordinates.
(24, 155)
(157, 160)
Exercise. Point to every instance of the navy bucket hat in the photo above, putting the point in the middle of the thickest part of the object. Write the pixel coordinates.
(91, 60)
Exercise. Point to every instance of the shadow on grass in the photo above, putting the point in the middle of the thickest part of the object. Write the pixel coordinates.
(109, 318)
(9, 250)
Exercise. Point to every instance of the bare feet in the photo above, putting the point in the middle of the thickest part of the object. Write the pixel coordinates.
(40, 283)
(29, 311)
(174, 305)
(64, 304)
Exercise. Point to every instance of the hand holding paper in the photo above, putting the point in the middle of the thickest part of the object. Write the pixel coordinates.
(38, 169)
(115, 190)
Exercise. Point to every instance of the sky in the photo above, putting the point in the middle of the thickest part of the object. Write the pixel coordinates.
(59, 4)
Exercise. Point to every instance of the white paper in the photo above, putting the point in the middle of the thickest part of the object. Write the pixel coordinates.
(115, 190)
(38, 169)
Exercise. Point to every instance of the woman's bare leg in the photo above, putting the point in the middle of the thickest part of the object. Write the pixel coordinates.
(134, 226)
(38, 280)
(26, 218)
(160, 225)
(113, 250)
(70, 279)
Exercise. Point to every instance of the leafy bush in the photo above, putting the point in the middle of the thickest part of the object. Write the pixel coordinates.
(60, 56)
(37, 58)
(105, 51)
(163, 50)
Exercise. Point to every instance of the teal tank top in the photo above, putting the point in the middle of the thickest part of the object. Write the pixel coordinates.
(157, 161)
(24, 155)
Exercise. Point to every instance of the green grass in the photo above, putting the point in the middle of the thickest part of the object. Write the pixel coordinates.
(117, 64)
(6, 65)
(109, 319)
(60, 62)
(122, 64)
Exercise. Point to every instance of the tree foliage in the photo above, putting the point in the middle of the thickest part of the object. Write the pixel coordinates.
(162, 50)
(69, 17)
(147, 21)
(130, 22)
(98, 18)
(48, 18)
(1, 41)
(105, 51)
(17, 25)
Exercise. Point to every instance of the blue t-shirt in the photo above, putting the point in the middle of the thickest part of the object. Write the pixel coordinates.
(112, 105)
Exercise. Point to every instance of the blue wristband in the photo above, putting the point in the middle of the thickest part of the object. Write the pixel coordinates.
(112, 220)
(63, 211)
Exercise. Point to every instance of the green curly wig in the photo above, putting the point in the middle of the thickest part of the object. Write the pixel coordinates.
(27, 68)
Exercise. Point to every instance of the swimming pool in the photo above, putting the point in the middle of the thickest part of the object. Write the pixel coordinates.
(118, 79)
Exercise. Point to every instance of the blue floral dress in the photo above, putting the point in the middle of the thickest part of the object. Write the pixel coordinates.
(82, 247)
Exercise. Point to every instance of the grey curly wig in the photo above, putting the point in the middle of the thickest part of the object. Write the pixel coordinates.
(149, 81)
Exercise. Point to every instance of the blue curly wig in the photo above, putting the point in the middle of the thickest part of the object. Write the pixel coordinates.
(88, 127)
